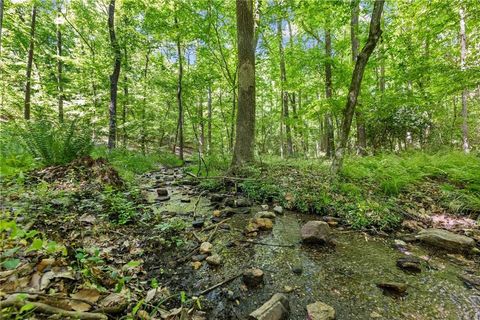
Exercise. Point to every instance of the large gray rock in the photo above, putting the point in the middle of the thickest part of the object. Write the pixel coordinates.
(446, 240)
(320, 311)
(277, 308)
(316, 232)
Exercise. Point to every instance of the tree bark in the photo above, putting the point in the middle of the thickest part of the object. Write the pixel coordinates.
(329, 132)
(179, 91)
(284, 92)
(1, 25)
(59, 68)
(125, 98)
(355, 85)
(112, 130)
(28, 83)
(209, 124)
(463, 58)
(245, 134)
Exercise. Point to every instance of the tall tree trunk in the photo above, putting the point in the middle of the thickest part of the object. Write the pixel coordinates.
(1, 25)
(202, 125)
(179, 91)
(28, 83)
(209, 123)
(329, 132)
(112, 130)
(361, 134)
(143, 134)
(463, 58)
(125, 98)
(59, 68)
(284, 92)
(245, 134)
(355, 85)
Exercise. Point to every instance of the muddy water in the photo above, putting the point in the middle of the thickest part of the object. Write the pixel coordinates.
(344, 277)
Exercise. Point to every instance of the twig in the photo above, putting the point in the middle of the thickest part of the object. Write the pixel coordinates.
(218, 285)
(197, 237)
(268, 244)
(13, 301)
(215, 225)
(196, 203)
(50, 296)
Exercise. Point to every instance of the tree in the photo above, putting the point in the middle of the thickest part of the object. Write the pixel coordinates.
(355, 85)
(28, 83)
(1, 24)
(59, 65)
(179, 91)
(245, 129)
(463, 57)
(112, 132)
(284, 93)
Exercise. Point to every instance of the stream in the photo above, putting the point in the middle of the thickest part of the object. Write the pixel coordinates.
(344, 276)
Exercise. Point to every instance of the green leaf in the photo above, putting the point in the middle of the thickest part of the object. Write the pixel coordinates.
(11, 263)
(27, 307)
(133, 264)
(137, 307)
(36, 245)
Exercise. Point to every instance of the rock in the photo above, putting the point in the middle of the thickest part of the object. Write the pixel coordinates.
(217, 197)
(278, 209)
(185, 200)
(259, 224)
(399, 243)
(265, 214)
(216, 219)
(228, 212)
(199, 257)
(316, 232)
(395, 288)
(206, 248)
(264, 207)
(162, 192)
(332, 221)
(409, 263)
(298, 270)
(196, 265)
(412, 225)
(470, 281)
(163, 198)
(198, 223)
(446, 240)
(238, 203)
(217, 213)
(214, 260)
(277, 308)
(253, 277)
(320, 311)
(288, 289)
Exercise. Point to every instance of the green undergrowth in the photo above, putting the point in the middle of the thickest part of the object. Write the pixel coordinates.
(372, 191)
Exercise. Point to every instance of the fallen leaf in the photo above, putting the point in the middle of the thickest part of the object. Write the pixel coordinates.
(90, 295)
(44, 264)
(88, 218)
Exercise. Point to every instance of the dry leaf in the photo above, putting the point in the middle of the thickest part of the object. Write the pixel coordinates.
(90, 295)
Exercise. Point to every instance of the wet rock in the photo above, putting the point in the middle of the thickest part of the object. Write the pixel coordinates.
(277, 308)
(412, 225)
(265, 214)
(257, 224)
(228, 212)
(196, 265)
(320, 311)
(206, 248)
(217, 197)
(162, 192)
(393, 288)
(317, 232)
(410, 263)
(253, 277)
(470, 281)
(238, 203)
(163, 198)
(198, 223)
(264, 207)
(216, 219)
(185, 200)
(217, 213)
(298, 270)
(399, 243)
(332, 221)
(278, 209)
(214, 260)
(199, 257)
(446, 240)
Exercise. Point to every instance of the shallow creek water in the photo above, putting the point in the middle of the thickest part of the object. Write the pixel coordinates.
(344, 277)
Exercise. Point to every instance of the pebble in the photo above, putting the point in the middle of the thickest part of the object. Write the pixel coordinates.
(196, 265)
(320, 311)
(162, 192)
(199, 257)
(214, 260)
(206, 247)
(278, 209)
(264, 206)
(198, 223)
(253, 277)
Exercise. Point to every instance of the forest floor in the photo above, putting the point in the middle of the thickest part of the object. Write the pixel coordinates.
(83, 238)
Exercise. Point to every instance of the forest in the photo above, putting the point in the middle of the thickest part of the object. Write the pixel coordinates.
(240, 159)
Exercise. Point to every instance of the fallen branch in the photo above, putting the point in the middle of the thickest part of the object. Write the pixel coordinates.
(196, 203)
(13, 301)
(268, 244)
(214, 225)
(50, 296)
(218, 285)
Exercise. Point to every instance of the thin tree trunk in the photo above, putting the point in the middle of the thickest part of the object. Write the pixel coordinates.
(329, 132)
(125, 99)
(361, 134)
(202, 126)
(28, 84)
(463, 58)
(143, 135)
(1, 25)
(245, 134)
(232, 118)
(112, 132)
(209, 124)
(59, 68)
(355, 85)
(284, 92)
(179, 91)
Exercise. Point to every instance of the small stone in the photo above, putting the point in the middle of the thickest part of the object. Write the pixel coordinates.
(185, 200)
(163, 198)
(375, 315)
(253, 277)
(243, 202)
(317, 232)
(277, 308)
(216, 219)
(264, 207)
(214, 260)
(206, 247)
(196, 265)
(399, 243)
(288, 289)
(263, 223)
(217, 213)
(320, 311)
(278, 209)
(395, 288)
(409, 263)
(265, 214)
(298, 270)
(198, 223)
(162, 192)
(199, 257)
(217, 197)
